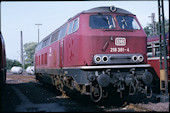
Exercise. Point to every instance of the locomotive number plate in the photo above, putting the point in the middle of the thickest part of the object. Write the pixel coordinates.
(119, 49)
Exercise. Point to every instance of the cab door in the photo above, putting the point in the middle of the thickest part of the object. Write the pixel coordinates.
(61, 55)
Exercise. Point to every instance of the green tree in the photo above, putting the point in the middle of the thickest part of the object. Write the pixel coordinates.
(148, 28)
(10, 63)
(29, 50)
(166, 25)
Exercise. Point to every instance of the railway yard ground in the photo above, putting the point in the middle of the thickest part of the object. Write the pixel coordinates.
(22, 93)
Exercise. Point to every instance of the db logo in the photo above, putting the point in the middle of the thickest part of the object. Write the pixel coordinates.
(120, 41)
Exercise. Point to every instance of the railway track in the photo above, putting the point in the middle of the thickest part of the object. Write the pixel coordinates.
(34, 97)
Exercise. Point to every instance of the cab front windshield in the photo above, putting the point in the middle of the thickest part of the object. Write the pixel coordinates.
(127, 22)
(101, 22)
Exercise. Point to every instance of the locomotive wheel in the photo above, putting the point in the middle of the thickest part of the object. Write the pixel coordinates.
(96, 93)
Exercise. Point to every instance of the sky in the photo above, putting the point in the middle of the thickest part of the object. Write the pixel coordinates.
(22, 16)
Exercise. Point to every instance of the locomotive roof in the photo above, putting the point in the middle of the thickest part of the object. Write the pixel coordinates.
(106, 9)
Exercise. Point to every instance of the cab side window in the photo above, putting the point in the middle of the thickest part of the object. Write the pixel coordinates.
(73, 26)
(76, 25)
(70, 28)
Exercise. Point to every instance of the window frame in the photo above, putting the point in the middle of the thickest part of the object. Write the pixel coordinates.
(132, 23)
(77, 25)
(113, 21)
(55, 34)
(149, 46)
(71, 27)
(59, 38)
(78, 22)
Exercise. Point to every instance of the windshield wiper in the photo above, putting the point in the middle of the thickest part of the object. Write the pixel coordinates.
(123, 21)
(108, 21)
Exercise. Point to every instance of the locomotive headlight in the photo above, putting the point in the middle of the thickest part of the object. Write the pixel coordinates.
(140, 58)
(97, 59)
(134, 58)
(113, 9)
(104, 58)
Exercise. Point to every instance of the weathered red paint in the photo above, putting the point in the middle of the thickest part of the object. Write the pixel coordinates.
(78, 48)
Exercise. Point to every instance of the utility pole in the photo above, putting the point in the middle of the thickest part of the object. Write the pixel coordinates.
(163, 54)
(22, 57)
(38, 30)
(154, 31)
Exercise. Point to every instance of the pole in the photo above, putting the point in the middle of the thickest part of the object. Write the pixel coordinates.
(38, 30)
(38, 34)
(164, 52)
(22, 58)
(154, 32)
(154, 24)
(160, 29)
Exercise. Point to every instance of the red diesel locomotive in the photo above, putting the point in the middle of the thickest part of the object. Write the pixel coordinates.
(153, 54)
(97, 52)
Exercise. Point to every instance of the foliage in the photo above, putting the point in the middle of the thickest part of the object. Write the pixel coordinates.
(148, 28)
(10, 63)
(29, 50)
(28, 64)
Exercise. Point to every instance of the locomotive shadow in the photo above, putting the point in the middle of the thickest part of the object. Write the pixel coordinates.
(9, 98)
(141, 98)
(39, 94)
(76, 102)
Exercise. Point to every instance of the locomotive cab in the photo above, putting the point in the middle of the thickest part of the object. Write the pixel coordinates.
(111, 38)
